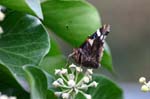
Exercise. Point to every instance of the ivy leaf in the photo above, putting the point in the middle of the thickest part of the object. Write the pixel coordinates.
(40, 83)
(28, 6)
(37, 81)
(9, 85)
(106, 89)
(106, 61)
(50, 63)
(55, 48)
(73, 21)
(24, 41)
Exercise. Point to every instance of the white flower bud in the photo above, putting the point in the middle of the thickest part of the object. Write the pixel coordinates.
(71, 83)
(58, 94)
(1, 30)
(65, 95)
(2, 16)
(94, 84)
(12, 97)
(73, 66)
(3, 97)
(56, 84)
(90, 77)
(71, 76)
(144, 88)
(60, 80)
(57, 72)
(88, 96)
(79, 69)
(84, 87)
(89, 71)
(142, 80)
(64, 71)
(86, 79)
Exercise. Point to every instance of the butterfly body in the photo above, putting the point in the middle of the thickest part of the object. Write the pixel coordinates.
(90, 52)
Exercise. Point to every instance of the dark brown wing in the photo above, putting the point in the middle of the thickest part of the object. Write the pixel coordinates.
(97, 47)
(90, 52)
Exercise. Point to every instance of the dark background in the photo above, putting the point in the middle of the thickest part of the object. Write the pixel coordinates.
(130, 36)
(129, 41)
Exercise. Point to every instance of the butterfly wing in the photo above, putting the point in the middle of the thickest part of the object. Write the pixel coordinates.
(90, 52)
(97, 47)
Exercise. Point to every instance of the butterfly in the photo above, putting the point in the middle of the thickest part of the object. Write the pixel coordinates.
(89, 54)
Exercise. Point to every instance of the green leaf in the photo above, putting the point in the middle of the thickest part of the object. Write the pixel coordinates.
(51, 95)
(37, 81)
(106, 89)
(106, 61)
(24, 41)
(55, 49)
(50, 63)
(28, 6)
(9, 86)
(73, 21)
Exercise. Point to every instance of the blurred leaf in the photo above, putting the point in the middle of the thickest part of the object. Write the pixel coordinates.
(28, 6)
(24, 41)
(106, 89)
(55, 49)
(106, 61)
(51, 95)
(73, 21)
(50, 80)
(37, 81)
(9, 86)
(42, 1)
(50, 63)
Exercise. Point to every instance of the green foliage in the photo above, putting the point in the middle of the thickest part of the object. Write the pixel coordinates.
(106, 89)
(24, 41)
(37, 81)
(69, 20)
(28, 58)
(29, 6)
(106, 61)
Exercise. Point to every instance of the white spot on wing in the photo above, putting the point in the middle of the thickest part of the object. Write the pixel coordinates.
(102, 36)
(90, 41)
(98, 32)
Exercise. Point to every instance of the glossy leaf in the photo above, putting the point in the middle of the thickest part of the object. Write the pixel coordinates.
(50, 63)
(28, 6)
(106, 89)
(37, 81)
(9, 86)
(55, 49)
(24, 41)
(51, 95)
(73, 21)
(106, 61)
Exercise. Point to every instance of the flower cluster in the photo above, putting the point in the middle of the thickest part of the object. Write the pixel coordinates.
(6, 97)
(145, 85)
(72, 83)
(2, 16)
